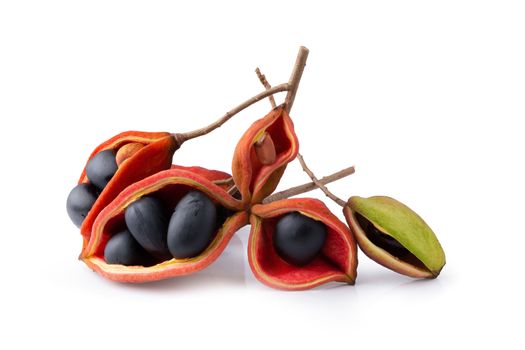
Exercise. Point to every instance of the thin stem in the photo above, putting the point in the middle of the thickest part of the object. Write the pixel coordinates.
(218, 123)
(266, 84)
(316, 183)
(321, 186)
(294, 191)
(295, 78)
(291, 87)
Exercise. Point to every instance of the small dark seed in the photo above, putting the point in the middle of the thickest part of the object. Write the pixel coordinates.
(298, 239)
(123, 249)
(101, 168)
(192, 225)
(80, 201)
(147, 221)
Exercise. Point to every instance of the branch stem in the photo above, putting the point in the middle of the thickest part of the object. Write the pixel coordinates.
(218, 123)
(294, 191)
(316, 183)
(295, 78)
(291, 87)
(321, 186)
(266, 84)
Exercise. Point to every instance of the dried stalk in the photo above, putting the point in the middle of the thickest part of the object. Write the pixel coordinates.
(319, 184)
(294, 191)
(316, 183)
(295, 78)
(291, 87)
(266, 84)
(219, 122)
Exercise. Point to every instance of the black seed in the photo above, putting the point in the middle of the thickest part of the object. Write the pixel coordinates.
(381, 239)
(80, 201)
(298, 239)
(147, 221)
(192, 225)
(123, 249)
(101, 168)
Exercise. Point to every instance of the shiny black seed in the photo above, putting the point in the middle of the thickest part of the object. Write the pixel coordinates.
(379, 238)
(123, 249)
(80, 201)
(147, 221)
(192, 225)
(298, 239)
(101, 168)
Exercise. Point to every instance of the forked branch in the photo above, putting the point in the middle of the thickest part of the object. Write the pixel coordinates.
(294, 191)
(319, 183)
(291, 87)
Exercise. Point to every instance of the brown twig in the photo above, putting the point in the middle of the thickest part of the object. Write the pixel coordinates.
(321, 186)
(291, 87)
(295, 78)
(218, 123)
(316, 183)
(294, 191)
(266, 84)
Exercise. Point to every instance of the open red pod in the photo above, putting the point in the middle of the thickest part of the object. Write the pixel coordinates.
(150, 153)
(262, 154)
(336, 260)
(169, 187)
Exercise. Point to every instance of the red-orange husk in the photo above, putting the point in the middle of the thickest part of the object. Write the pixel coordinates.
(337, 260)
(255, 180)
(168, 180)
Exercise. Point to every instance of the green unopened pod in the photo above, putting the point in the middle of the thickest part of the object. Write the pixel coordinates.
(393, 235)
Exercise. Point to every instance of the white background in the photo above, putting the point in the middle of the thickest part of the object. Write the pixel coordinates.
(425, 98)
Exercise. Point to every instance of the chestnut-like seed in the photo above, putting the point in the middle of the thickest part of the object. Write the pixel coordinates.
(123, 249)
(147, 221)
(127, 151)
(101, 168)
(80, 201)
(192, 225)
(298, 239)
(265, 149)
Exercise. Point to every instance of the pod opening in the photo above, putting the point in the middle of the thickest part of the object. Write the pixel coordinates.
(331, 260)
(388, 243)
(148, 226)
(281, 142)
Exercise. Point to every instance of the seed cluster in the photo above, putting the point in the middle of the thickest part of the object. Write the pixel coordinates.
(145, 214)
(99, 171)
(154, 235)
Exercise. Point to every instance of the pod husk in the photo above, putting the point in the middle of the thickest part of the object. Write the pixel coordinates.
(169, 185)
(255, 180)
(155, 156)
(401, 223)
(337, 260)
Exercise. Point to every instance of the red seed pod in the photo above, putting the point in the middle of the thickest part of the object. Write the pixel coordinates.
(337, 260)
(256, 179)
(155, 155)
(170, 186)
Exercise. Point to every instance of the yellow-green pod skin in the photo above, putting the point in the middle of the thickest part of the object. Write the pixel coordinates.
(395, 219)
